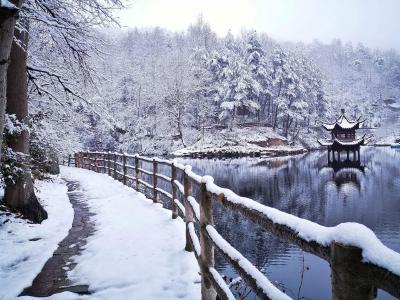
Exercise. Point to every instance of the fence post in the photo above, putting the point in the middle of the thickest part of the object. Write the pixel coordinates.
(76, 160)
(115, 165)
(187, 184)
(104, 155)
(207, 248)
(174, 192)
(82, 160)
(87, 160)
(69, 160)
(109, 163)
(155, 170)
(96, 167)
(345, 274)
(124, 168)
(90, 161)
(137, 172)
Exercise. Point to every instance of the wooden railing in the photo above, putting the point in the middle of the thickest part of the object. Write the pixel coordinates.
(354, 275)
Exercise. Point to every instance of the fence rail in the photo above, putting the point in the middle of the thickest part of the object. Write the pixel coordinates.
(355, 275)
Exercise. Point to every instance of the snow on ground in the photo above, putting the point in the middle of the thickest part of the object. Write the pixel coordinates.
(25, 247)
(244, 141)
(137, 251)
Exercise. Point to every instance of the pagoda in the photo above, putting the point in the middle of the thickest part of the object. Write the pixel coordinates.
(343, 139)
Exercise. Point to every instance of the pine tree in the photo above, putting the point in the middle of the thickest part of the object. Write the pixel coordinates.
(258, 66)
(239, 91)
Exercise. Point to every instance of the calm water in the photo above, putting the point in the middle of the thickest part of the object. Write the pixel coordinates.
(306, 187)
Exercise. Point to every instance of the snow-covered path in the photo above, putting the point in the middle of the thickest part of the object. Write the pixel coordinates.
(137, 251)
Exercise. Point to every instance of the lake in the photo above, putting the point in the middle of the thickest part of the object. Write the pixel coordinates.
(307, 187)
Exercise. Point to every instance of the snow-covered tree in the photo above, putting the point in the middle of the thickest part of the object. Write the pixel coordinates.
(259, 68)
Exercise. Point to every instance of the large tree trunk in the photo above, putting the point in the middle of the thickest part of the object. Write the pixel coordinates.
(7, 25)
(19, 195)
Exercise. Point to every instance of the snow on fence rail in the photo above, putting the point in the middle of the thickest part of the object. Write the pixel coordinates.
(359, 262)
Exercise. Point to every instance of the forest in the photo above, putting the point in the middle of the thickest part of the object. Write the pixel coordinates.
(154, 91)
(94, 85)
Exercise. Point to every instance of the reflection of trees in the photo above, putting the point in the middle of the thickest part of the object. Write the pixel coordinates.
(276, 182)
(302, 187)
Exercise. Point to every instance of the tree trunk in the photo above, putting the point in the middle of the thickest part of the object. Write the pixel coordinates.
(19, 195)
(7, 25)
(275, 117)
(287, 125)
(179, 121)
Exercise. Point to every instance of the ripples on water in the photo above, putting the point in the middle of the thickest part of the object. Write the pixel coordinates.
(306, 187)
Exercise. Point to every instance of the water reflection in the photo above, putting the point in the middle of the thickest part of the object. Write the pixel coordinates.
(309, 188)
(346, 174)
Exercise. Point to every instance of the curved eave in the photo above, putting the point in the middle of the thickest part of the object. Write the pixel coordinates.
(360, 142)
(344, 124)
(331, 127)
(328, 127)
(325, 143)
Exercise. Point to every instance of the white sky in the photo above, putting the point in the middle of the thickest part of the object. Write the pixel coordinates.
(376, 23)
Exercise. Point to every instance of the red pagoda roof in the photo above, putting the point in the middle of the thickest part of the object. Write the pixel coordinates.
(343, 123)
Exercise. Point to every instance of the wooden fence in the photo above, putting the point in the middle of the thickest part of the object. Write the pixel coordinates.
(351, 277)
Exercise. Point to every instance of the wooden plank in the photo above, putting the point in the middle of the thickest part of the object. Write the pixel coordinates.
(223, 291)
(279, 230)
(165, 193)
(146, 159)
(148, 185)
(130, 177)
(163, 162)
(260, 284)
(145, 171)
(163, 177)
(180, 186)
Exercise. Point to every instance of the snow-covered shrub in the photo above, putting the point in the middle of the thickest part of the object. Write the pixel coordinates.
(43, 157)
(12, 163)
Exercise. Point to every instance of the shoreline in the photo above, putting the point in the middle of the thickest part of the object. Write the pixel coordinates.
(224, 153)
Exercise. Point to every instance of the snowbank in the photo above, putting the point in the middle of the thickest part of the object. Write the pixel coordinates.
(260, 141)
(25, 247)
(137, 251)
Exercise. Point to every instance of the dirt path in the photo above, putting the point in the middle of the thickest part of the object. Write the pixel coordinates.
(53, 277)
